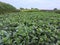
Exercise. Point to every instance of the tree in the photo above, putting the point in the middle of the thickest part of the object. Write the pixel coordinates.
(55, 9)
(21, 8)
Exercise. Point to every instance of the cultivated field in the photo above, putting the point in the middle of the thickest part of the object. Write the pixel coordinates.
(30, 28)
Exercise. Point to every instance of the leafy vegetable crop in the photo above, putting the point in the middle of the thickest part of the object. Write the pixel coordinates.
(30, 28)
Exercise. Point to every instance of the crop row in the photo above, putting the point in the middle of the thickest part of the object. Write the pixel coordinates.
(30, 28)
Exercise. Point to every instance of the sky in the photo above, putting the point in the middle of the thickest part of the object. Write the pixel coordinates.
(41, 4)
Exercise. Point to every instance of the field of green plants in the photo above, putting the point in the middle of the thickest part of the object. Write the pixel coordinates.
(30, 28)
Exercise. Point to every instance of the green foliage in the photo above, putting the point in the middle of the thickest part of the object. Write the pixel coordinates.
(30, 28)
(29, 10)
(57, 11)
(4, 7)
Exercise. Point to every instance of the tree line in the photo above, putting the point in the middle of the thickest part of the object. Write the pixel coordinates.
(7, 8)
